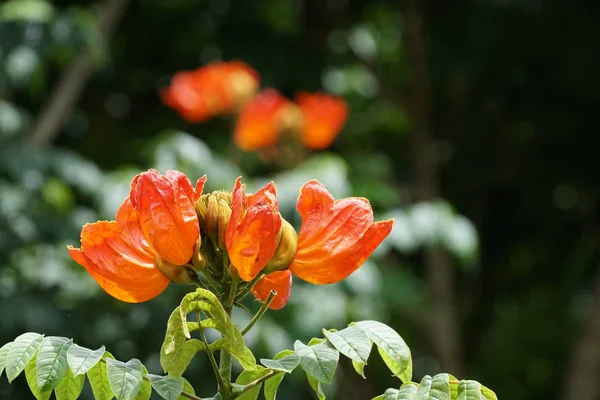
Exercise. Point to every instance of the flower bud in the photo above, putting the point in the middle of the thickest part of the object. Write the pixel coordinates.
(212, 218)
(198, 260)
(286, 249)
(224, 216)
(176, 273)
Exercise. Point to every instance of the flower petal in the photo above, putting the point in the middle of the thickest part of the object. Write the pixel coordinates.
(336, 237)
(324, 116)
(120, 267)
(166, 214)
(252, 231)
(280, 281)
(259, 122)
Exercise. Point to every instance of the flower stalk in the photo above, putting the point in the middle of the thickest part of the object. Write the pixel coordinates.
(263, 309)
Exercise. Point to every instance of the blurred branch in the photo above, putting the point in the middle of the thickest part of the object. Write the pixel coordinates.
(71, 83)
(444, 328)
(584, 368)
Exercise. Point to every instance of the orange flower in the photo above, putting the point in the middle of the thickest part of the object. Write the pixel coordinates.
(216, 88)
(324, 116)
(281, 281)
(165, 208)
(262, 119)
(252, 232)
(119, 259)
(336, 237)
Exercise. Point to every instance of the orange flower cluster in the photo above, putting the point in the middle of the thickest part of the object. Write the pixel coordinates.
(219, 88)
(167, 230)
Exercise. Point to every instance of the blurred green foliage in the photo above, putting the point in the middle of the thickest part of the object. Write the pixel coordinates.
(512, 86)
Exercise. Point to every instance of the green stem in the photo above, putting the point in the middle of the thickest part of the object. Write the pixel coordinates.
(223, 385)
(225, 357)
(215, 285)
(263, 309)
(236, 393)
(248, 287)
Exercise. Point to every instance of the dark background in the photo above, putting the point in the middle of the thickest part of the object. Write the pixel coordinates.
(489, 105)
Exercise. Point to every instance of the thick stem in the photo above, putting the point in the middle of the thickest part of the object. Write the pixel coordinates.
(252, 384)
(225, 357)
(444, 328)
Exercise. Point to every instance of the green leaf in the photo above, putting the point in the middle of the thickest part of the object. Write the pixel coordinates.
(188, 388)
(272, 384)
(70, 387)
(176, 362)
(359, 368)
(391, 347)
(51, 361)
(316, 386)
(206, 301)
(319, 361)
(31, 377)
(488, 394)
(146, 389)
(21, 351)
(3, 353)
(285, 364)
(81, 359)
(125, 379)
(351, 342)
(248, 376)
(167, 387)
(30, 10)
(406, 392)
(99, 379)
(244, 356)
(437, 388)
(469, 390)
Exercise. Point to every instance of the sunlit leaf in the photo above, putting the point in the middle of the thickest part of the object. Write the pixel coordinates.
(51, 361)
(176, 362)
(98, 378)
(31, 377)
(70, 387)
(146, 389)
(243, 355)
(391, 347)
(489, 394)
(359, 368)
(188, 388)
(272, 384)
(125, 378)
(169, 388)
(30, 10)
(248, 376)
(21, 351)
(316, 386)
(82, 359)
(285, 364)
(3, 353)
(351, 342)
(319, 361)
(469, 390)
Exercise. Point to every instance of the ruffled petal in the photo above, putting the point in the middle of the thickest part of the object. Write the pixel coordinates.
(336, 237)
(280, 281)
(252, 231)
(341, 262)
(122, 269)
(166, 214)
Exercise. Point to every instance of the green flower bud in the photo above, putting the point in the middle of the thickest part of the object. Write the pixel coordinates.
(286, 250)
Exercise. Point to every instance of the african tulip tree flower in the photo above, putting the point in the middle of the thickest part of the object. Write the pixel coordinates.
(165, 209)
(167, 230)
(134, 257)
(262, 119)
(252, 233)
(323, 117)
(216, 88)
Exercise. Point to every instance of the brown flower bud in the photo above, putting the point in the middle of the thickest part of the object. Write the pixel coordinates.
(176, 273)
(286, 250)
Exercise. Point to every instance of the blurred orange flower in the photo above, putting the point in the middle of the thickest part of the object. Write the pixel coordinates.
(323, 117)
(280, 281)
(134, 257)
(252, 233)
(216, 88)
(262, 119)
